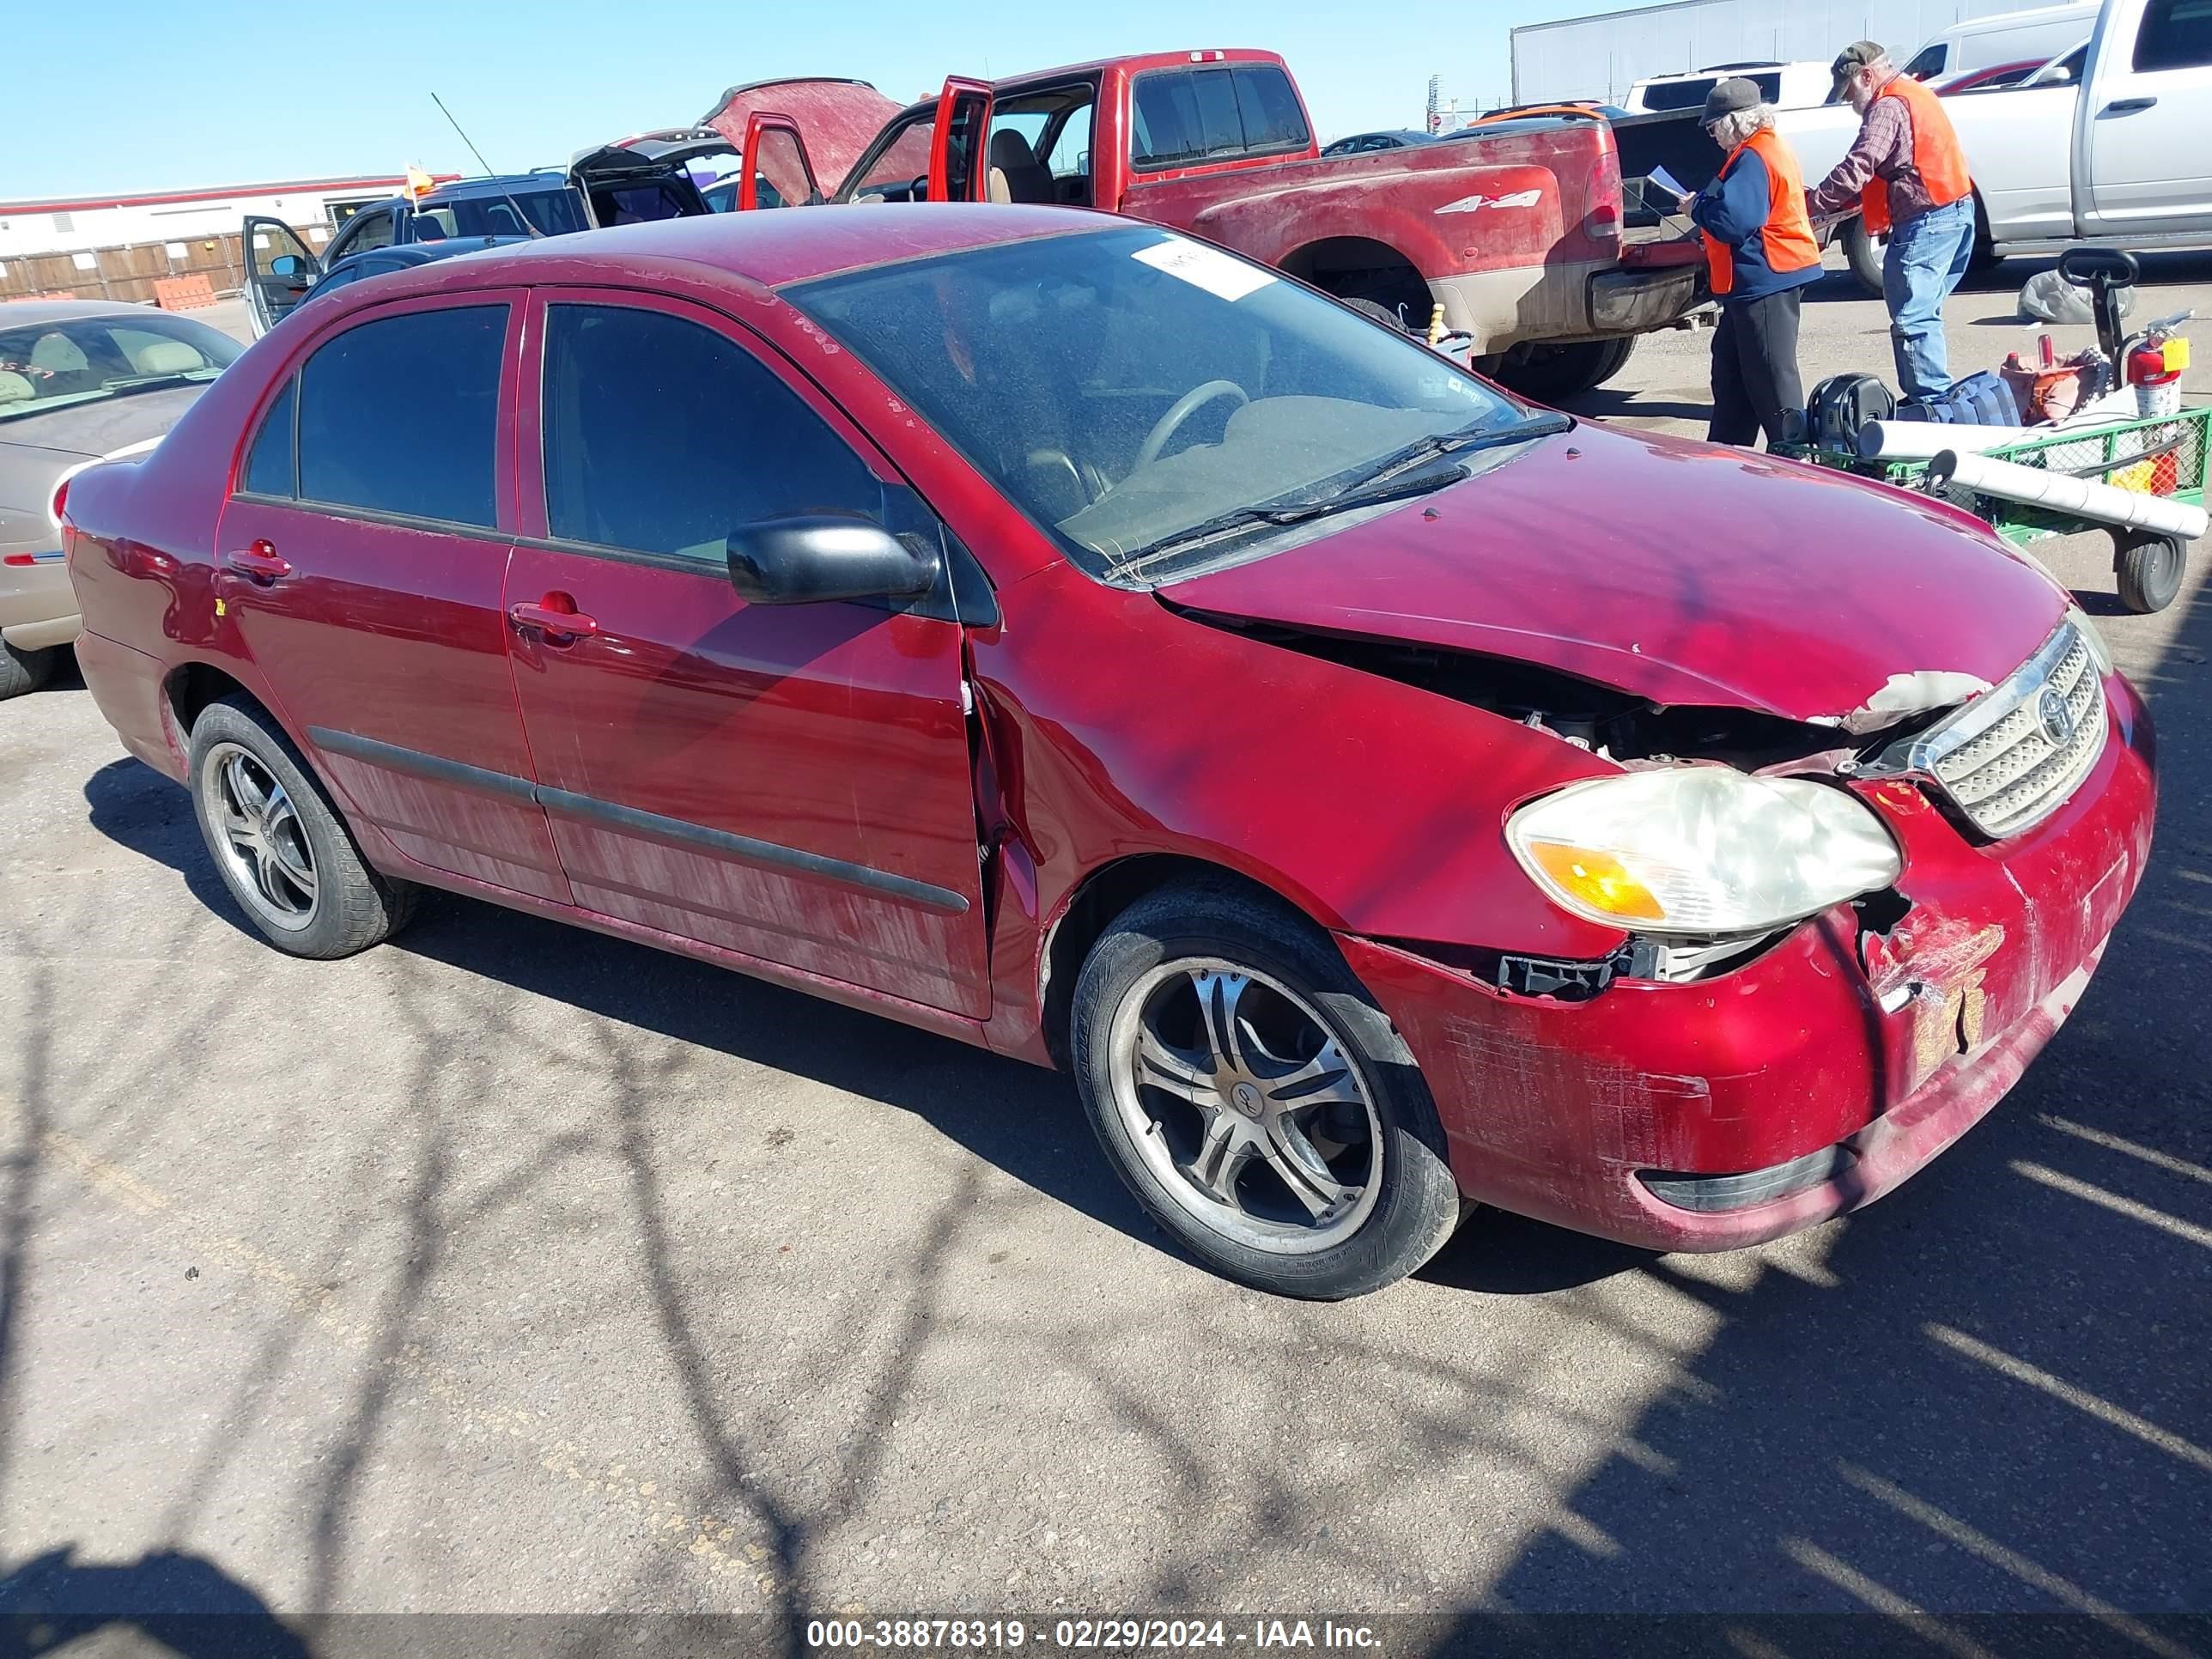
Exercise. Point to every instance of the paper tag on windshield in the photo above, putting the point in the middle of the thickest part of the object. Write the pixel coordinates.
(1204, 267)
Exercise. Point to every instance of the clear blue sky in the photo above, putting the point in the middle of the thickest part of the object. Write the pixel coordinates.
(167, 95)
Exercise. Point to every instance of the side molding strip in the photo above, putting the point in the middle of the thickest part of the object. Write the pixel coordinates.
(591, 809)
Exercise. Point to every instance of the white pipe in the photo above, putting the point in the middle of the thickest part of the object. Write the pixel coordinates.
(1920, 440)
(2082, 498)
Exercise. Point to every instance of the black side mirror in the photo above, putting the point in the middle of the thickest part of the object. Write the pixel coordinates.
(813, 556)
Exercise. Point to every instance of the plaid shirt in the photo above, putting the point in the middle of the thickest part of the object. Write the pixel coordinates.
(1883, 149)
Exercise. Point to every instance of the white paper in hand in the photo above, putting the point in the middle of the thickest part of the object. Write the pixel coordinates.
(1669, 183)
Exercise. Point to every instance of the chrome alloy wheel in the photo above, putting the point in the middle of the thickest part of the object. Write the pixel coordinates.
(1244, 1106)
(260, 836)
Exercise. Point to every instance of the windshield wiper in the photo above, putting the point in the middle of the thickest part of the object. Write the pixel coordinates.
(1408, 481)
(1452, 443)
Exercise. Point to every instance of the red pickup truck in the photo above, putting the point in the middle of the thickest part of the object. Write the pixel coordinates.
(1514, 229)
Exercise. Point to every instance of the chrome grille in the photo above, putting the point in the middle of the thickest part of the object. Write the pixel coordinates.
(2010, 759)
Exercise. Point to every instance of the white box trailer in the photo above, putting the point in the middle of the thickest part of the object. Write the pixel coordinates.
(1601, 56)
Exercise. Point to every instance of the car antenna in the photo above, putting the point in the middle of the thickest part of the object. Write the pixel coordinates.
(489, 172)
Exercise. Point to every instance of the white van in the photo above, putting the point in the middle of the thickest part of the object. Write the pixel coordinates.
(2010, 38)
(1785, 86)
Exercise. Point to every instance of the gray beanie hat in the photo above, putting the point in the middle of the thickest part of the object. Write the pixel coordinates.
(1729, 97)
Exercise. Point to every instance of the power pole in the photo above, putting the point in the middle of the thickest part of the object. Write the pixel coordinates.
(1434, 115)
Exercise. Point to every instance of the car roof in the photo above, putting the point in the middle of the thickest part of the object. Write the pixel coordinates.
(14, 313)
(767, 248)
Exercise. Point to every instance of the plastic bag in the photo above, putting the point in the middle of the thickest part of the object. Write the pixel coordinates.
(2047, 297)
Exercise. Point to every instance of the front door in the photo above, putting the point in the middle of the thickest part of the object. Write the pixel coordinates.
(788, 782)
(956, 149)
(2150, 168)
(363, 558)
(774, 169)
(279, 270)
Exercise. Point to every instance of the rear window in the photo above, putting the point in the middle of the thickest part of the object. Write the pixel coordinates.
(117, 354)
(400, 415)
(1187, 116)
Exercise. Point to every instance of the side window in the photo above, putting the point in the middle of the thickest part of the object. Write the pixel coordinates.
(899, 170)
(374, 230)
(726, 442)
(2176, 34)
(401, 415)
(269, 462)
(1272, 119)
(1070, 154)
(1929, 61)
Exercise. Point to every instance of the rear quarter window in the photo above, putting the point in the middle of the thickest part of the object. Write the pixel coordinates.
(400, 415)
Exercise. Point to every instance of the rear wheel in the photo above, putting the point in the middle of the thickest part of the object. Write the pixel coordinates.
(1550, 373)
(25, 671)
(278, 843)
(1864, 254)
(2149, 566)
(1253, 1098)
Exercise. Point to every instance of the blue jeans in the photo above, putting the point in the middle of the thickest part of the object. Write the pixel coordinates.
(1927, 257)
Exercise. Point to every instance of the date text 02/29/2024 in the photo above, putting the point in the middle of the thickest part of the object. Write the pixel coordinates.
(1107, 1635)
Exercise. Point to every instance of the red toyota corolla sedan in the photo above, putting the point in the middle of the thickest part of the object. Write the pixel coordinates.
(1382, 795)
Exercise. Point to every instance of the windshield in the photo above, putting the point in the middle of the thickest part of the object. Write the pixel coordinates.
(1129, 389)
(45, 366)
(550, 212)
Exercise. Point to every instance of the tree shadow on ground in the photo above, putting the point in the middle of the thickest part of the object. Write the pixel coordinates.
(186, 1603)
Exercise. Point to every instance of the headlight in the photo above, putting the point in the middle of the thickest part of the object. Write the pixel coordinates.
(1701, 849)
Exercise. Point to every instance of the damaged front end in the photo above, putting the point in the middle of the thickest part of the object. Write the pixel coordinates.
(1841, 940)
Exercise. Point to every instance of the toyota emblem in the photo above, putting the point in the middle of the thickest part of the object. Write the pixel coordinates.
(2055, 717)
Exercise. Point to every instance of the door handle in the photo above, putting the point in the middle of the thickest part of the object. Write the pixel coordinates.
(2128, 106)
(261, 562)
(556, 616)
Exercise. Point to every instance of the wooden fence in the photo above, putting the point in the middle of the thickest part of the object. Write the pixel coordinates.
(130, 273)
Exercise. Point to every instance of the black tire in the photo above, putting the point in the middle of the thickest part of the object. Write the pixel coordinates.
(1415, 1205)
(1864, 254)
(1552, 373)
(352, 906)
(2150, 567)
(25, 671)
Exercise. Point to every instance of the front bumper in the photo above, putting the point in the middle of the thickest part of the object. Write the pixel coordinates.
(1886, 1045)
(38, 607)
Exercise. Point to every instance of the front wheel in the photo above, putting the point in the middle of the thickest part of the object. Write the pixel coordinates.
(278, 843)
(1253, 1098)
(2150, 565)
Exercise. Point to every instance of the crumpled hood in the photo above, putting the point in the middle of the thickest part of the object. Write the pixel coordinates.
(1680, 572)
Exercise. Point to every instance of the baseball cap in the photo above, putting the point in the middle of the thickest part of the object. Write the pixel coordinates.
(1854, 58)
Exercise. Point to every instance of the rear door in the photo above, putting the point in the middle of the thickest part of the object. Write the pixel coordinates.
(279, 270)
(2149, 114)
(956, 147)
(363, 553)
(788, 782)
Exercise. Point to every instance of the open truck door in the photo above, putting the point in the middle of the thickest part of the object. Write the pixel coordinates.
(955, 145)
(774, 169)
(279, 270)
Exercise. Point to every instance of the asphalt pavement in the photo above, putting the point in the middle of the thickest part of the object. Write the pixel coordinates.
(506, 1268)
